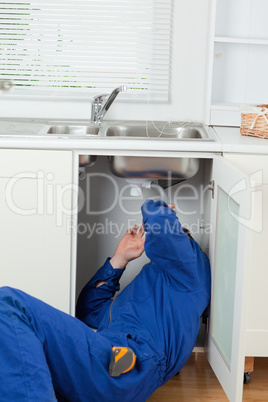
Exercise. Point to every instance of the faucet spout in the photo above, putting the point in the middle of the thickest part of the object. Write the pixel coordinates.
(99, 108)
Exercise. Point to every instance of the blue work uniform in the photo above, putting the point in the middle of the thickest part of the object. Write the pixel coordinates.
(46, 354)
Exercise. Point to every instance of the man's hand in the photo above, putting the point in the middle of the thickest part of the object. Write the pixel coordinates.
(130, 247)
(172, 206)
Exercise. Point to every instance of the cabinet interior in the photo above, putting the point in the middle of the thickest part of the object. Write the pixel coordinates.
(238, 59)
(107, 210)
(236, 75)
(242, 18)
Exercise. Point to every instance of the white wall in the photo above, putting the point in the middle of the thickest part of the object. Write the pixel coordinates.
(188, 74)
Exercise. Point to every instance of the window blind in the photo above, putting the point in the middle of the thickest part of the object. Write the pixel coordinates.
(60, 47)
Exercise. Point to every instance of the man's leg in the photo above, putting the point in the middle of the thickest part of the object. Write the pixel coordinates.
(42, 348)
(24, 374)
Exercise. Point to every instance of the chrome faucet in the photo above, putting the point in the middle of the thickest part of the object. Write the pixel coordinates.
(101, 103)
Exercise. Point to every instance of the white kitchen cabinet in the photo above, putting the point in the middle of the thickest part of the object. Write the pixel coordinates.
(36, 240)
(237, 59)
(238, 318)
(235, 245)
(257, 297)
(35, 206)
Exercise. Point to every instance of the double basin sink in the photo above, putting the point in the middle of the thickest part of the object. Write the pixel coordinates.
(135, 167)
(136, 129)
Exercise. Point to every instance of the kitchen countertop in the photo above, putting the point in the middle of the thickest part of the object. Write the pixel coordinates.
(30, 134)
(232, 141)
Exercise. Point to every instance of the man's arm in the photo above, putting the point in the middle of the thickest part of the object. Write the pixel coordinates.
(166, 242)
(168, 246)
(95, 298)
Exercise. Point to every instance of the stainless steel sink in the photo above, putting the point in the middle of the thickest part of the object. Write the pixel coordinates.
(177, 169)
(143, 167)
(136, 167)
(142, 130)
(87, 130)
(159, 130)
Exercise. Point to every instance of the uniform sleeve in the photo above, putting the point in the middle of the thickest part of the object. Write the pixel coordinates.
(165, 238)
(167, 245)
(94, 302)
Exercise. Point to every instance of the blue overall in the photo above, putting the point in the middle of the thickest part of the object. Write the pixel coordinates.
(48, 355)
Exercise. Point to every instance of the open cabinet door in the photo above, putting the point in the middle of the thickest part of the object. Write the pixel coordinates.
(229, 258)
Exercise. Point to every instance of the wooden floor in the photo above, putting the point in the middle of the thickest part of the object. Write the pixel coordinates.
(197, 382)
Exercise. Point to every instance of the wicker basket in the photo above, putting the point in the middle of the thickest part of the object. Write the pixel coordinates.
(254, 122)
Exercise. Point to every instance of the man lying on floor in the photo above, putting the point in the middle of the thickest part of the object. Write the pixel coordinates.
(145, 335)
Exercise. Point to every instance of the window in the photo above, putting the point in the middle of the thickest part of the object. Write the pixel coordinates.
(72, 48)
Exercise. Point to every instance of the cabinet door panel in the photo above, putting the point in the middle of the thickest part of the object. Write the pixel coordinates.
(35, 242)
(222, 309)
(228, 256)
(256, 166)
(35, 253)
